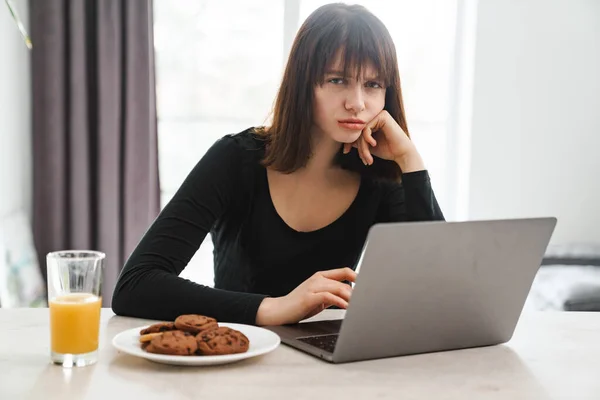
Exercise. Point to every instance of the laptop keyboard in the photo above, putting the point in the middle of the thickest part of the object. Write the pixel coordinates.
(325, 342)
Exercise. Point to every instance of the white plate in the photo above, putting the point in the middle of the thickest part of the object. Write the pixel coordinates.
(262, 341)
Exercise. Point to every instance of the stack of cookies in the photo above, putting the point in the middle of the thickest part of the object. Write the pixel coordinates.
(192, 335)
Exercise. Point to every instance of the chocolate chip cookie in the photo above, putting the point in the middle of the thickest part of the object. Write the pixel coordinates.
(222, 341)
(160, 327)
(175, 343)
(195, 323)
(147, 338)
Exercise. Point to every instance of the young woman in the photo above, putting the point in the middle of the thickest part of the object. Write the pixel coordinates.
(289, 205)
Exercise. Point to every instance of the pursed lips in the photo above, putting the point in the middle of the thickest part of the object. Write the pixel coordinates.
(352, 124)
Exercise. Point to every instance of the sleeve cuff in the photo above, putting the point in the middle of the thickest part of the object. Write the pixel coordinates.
(415, 177)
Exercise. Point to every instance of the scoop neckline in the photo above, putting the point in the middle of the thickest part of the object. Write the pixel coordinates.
(348, 210)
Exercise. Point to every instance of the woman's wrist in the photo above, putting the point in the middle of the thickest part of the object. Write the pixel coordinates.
(265, 313)
(410, 162)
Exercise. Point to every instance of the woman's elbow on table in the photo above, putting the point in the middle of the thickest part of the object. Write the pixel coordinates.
(118, 305)
(121, 302)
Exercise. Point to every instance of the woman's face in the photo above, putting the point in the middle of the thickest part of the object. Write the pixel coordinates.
(343, 104)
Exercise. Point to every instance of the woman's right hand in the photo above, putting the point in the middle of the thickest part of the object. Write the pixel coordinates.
(320, 291)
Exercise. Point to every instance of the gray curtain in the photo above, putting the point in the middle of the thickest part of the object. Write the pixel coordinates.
(95, 162)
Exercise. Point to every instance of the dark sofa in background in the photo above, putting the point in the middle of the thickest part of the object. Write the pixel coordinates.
(568, 279)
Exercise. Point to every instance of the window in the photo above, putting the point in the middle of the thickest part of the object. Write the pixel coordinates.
(219, 64)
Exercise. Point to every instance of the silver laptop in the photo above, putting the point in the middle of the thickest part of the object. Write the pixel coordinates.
(431, 286)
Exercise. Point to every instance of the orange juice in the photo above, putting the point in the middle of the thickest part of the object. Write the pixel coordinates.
(75, 323)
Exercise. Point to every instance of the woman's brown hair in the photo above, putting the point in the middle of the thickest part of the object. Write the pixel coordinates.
(362, 38)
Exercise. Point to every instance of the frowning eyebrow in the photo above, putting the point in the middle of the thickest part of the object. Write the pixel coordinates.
(341, 73)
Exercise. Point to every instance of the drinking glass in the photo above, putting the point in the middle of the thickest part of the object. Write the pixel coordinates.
(74, 284)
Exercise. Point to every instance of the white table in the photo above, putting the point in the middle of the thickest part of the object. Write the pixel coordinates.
(552, 355)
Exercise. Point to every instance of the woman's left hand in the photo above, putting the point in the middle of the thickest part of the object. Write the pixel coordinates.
(384, 138)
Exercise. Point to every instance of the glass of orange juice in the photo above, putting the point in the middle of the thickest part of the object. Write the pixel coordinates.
(74, 284)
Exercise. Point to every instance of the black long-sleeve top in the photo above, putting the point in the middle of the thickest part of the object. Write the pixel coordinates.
(256, 254)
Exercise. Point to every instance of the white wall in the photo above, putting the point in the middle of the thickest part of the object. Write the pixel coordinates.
(535, 136)
(15, 110)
